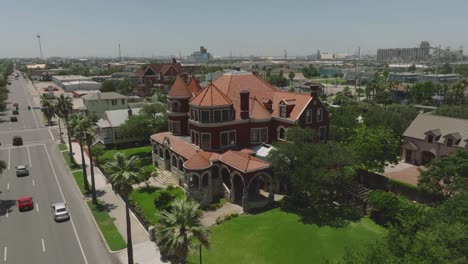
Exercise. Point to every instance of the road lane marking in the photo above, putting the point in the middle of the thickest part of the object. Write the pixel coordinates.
(33, 183)
(51, 135)
(43, 245)
(5, 254)
(9, 158)
(8, 187)
(7, 213)
(63, 197)
(37, 207)
(29, 157)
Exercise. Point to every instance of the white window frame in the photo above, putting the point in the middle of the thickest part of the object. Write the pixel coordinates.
(283, 111)
(195, 115)
(201, 141)
(319, 114)
(258, 130)
(227, 132)
(324, 133)
(171, 127)
(308, 116)
(197, 142)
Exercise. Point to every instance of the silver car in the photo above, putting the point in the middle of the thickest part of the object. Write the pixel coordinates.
(22, 170)
(60, 212)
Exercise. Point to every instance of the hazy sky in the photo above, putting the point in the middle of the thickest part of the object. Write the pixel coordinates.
(260, 27)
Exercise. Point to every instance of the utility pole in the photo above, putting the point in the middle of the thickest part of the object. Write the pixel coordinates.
(40, 45)
(120, 54)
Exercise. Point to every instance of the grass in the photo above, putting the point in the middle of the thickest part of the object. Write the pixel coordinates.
(73, 166)
(279, 237)
(106, 224)
(144, 197)
(109, 154)
(62, 147)
(78, 175)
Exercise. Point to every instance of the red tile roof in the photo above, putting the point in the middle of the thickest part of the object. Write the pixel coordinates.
(243, 161)
(194, 86)
(211, 96)
(257, 110)
(299, 101)
(197, 162)
(164, 67)
(179, 146)
(179, 88)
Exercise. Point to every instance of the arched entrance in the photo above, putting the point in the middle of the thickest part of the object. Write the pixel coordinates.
(260, 187)
(427, 157)
(226, 176)
(167, 159)
(237, 190)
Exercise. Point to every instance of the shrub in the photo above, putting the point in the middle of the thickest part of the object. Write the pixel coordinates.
(226, 217)
(388, 207)
(216, 206)
(164, 198)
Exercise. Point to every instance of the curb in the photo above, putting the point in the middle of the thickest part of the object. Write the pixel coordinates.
(89, 210)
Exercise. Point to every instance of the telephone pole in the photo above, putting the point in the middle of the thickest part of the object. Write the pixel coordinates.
(120, 54)
(40, 45)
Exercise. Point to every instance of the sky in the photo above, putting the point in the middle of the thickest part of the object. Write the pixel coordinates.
(88, 28)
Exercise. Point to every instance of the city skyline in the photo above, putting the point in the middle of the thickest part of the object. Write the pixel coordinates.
(150, 28)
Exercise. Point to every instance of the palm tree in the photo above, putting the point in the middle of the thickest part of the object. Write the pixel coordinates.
(89, 136)
(179, 229)
(64, 107)
(77, 125)
(47, 108)
(123, 173)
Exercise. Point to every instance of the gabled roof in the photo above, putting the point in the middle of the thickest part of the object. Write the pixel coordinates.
(455, 127)
(194, 86)
(257, 110)
(243, 161)
(298, 100)
(211, 96)
(117, 117)
(179, 146)
(197, 162)
(163, 68)
(179, 88)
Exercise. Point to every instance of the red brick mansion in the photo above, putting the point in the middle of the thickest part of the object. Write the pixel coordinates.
(216, 133)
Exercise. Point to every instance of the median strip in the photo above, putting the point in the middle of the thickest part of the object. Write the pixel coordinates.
(106, 224)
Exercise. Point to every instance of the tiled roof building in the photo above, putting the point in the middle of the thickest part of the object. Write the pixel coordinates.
(212, 129)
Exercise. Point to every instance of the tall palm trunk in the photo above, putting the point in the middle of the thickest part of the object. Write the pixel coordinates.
(69, 137)
(129, 232)
(83, 164)
(91, 165)
(60, 130)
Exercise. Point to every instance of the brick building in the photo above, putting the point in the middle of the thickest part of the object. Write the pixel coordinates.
(213, 131)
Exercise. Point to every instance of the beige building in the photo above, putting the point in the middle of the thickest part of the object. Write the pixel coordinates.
(97, 102)
(433, 137)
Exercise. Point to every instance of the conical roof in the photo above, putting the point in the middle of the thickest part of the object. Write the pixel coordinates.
(180, 89)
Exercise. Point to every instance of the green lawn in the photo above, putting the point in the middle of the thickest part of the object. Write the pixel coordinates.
(145, 199)
(279, 237)
(62, 147)
(72, 166)
(106, 224)
(78, 175)
(109, 154)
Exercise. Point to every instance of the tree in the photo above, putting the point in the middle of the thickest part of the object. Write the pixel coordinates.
(89, 131)
(180, 230)
(359, 91)
(97, 151)
(422, 91)
(456, 111)
(63, 108)
(446, 176)
(78, 128)
(395, 117)
(278, 80)
(374, 148)
(445, 69)
(126, 86)
(291, 76)
(151, 119)
(123, 173)
(47, 108)
(109, 86)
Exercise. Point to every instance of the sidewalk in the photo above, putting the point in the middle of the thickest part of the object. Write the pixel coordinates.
(145, 251)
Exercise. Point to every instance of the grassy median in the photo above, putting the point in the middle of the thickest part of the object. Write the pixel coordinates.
(72, 165)
(106, 224)
(62, 147)
(78, 175)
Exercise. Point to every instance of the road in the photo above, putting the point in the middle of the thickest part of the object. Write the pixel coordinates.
(33, 236)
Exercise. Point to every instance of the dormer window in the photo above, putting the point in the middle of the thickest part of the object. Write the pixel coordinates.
(449, 142)
(430, 138)
(283, 111)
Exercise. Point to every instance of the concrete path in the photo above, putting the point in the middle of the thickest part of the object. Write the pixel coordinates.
(209, 218)
(145, 251)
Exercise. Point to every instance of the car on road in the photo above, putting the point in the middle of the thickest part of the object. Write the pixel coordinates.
(60, 212)
(17, 141)
(15, 112)
(22, 170)
(13, 119)
(25, 203)
(15, 104)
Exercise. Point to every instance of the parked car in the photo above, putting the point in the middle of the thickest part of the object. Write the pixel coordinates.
(25, 203)
(17, 141)
(13, 119)
(22, 170)
(15, 112)
(60, 212)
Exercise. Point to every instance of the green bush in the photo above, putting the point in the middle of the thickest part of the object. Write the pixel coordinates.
(217, 205)
(226, 217)
(387, 207)
(164, 198)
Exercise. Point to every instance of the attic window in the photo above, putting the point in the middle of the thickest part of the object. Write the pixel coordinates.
(282, 111)
(430, 138)
(449, 142)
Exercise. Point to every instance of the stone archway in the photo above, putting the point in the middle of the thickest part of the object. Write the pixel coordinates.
(427, 157)
(261, 181)
(226, 177)
(237, 189)
(167, 159)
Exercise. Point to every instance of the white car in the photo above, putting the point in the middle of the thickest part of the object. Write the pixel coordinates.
(60, 212)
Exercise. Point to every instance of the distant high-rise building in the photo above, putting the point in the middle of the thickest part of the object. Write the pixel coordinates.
(405, 54)
(200, 56)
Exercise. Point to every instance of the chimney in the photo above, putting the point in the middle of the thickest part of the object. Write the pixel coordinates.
(130, 112)
(244, 104)
(314, 90)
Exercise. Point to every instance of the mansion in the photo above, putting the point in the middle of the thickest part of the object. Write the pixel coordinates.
(215, 135)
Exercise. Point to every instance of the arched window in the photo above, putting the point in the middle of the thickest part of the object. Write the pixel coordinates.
(179, 166)
(194, 182)
(281, 133)
(174, 161)
(175, 107)
(205, 179)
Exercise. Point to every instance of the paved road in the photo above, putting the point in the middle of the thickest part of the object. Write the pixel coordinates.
(33, 236)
